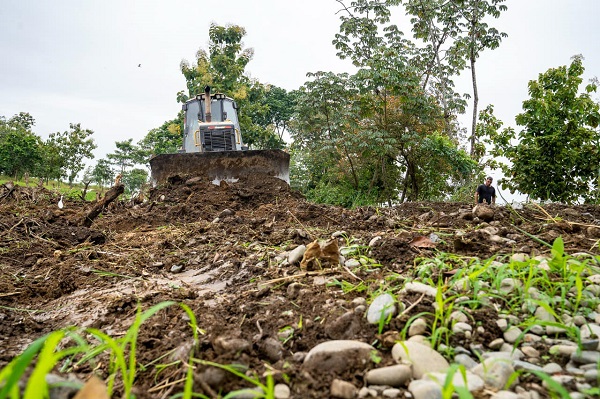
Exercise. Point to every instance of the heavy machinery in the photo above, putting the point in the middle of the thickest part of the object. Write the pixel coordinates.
(213, 147)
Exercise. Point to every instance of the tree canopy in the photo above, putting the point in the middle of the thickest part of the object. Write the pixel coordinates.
(557, 154)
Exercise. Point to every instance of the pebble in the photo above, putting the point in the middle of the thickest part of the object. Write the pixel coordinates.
(520, 365)
(512, 334)
(422, 358)
(552, 368)
(418, 327)
(502, 324)
(495, 372)
(473, 381)
(367, 392)
(176, 268)
(391, 393)
(504, 395)
(465, 360)
(420, 288)
(342, 389)
(508, 285)
(338, 355)
(295, 255)
(530, 351)
(423, 389)
(591, 375)
(282, 391)
(586, 357)
(460, 327)
(381, 308)
(393, 376)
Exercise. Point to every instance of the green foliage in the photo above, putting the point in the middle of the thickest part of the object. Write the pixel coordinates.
(165, 139)
(134, 179)
(73, 146)
(557, 154)
(262, 108)
(20, 148)
(102, 173)
(127, 155)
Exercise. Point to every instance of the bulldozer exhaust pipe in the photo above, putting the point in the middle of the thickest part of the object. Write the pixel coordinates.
(207, 104)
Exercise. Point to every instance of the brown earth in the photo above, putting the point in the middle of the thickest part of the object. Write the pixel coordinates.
(218, 250)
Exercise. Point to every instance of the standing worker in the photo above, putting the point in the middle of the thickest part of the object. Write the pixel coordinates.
(485, 192)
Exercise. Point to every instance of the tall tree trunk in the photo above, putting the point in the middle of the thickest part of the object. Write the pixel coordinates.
(475, 99)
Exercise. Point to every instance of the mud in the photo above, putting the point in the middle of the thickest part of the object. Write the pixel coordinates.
(218, 249)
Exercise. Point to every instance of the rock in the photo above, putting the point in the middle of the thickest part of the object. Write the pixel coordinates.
(504, 395)
(224, 345)
(520, 365)
(293, 290)
(393, 376)
(544, 315)
(390, 393)
(420, 288)
(176, 268)
(423, 389)
(465, 360)
(508, 285)
(282, 391)
(586, 357)
(338, 356)
(225, 213)
(374, 241)
(461, 328)
(296, 254)
(347, 326)
(381, 308)
(495, 372)
(422, 358)
(512, 334)
(473, 381)
(502, 324)
(62, 388)
(213, 376)
(552, 368)
(483, 212)
(496, 344)
(589, 331)
(342, 389)
(530, 351)
(271, 348)
(418, 327)
(519, 257)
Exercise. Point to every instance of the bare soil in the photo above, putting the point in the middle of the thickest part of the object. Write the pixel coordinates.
(218, 249)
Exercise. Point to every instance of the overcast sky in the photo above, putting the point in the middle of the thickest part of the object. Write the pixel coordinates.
(67, 61)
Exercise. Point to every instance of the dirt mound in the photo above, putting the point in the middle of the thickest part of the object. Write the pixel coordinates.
(223, 250)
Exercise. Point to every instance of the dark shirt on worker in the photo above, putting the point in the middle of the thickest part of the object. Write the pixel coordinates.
(486, 193)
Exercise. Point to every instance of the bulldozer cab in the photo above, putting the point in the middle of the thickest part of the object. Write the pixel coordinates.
(215, 130)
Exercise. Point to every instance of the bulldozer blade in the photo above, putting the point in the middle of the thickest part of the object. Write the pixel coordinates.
(222, 165)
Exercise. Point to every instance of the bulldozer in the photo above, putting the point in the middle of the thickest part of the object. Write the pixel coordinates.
(213, 146)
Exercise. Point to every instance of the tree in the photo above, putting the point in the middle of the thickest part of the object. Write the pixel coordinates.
(558, 150)
(375, 136)
(134, 179)
(102, 174)
(477, 36)
(165, 139)
(127, 155)
(74, 146)
(19, 152)
(222, 67)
